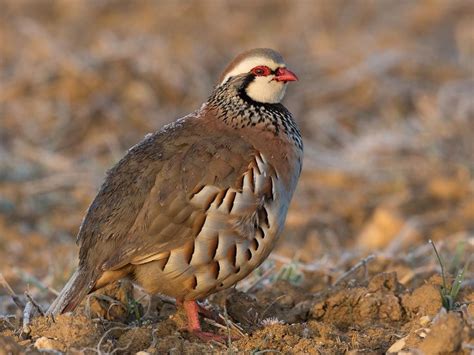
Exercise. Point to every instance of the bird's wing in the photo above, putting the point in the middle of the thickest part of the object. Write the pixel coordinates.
(158, 196)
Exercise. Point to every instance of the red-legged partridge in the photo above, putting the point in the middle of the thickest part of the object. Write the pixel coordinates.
(198, 205)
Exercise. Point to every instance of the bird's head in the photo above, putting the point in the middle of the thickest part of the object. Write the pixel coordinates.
(260, 73)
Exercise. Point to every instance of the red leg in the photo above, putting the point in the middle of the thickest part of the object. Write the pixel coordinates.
(194, 327)
(192, 308)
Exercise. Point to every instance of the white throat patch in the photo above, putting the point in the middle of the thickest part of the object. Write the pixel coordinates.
(265, 89)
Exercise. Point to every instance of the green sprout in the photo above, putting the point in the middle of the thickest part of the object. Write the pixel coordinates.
(290, 272)
(450, 293)
(134, 309)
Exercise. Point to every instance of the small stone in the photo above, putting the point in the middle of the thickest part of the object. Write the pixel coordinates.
(45, 343)
(397, 346)
(424, 321)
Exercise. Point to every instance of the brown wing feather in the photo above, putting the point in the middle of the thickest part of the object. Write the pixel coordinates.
(124, 193)
(143, 206)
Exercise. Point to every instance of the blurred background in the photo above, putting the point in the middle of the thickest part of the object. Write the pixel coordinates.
(385, 103)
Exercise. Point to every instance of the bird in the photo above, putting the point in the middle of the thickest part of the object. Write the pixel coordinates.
(198, 205)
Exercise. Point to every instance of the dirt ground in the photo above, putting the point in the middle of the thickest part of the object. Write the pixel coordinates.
(385, 102)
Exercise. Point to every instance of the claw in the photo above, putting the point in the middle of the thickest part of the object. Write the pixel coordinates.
(208, 336)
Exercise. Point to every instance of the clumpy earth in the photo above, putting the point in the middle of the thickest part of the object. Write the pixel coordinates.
(373, 314)
(385, 106)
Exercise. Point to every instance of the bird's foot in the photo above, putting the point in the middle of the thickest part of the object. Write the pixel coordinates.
(194, 327)
(208, 336)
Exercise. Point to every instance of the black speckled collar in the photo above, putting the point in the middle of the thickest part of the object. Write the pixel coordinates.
(237, 109)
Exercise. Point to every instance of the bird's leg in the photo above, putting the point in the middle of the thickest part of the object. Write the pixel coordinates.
(192, 309)
(194, 326)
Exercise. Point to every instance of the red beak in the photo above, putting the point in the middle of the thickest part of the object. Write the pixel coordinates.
(283, 74)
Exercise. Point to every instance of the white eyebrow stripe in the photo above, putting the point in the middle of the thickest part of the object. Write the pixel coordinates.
(246, 65)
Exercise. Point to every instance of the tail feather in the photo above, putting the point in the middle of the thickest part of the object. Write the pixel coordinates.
(72, 294)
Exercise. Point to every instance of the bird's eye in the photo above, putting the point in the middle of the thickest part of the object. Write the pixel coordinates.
(261, 70)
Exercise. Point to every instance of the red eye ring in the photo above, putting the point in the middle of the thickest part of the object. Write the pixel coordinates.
(261, 70)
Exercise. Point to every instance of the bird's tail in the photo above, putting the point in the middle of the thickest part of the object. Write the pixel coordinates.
(72, 294)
